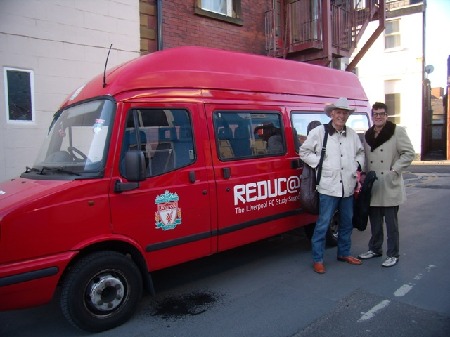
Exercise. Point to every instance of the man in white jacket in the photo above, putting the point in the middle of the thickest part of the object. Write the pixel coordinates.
(344, 156)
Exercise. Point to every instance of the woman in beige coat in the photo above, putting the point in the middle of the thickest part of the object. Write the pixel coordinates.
(389, 152)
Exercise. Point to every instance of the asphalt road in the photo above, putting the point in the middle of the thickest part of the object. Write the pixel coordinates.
(269, 289)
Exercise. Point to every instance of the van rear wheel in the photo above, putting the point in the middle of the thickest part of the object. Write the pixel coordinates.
(101, 291)
(332, 232)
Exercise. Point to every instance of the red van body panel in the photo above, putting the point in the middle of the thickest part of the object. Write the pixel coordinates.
(49, 215)
(206, 68)
(31, 282)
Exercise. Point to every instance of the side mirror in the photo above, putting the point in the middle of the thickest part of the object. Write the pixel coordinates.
(135, 165)
(135, 171)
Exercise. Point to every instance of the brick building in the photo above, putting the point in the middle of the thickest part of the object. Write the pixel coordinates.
(236, 25)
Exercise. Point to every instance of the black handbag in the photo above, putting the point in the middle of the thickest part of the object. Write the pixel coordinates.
(309, 196)
(361, 205)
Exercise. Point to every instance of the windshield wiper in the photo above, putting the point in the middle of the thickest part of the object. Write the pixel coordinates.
(32, 169)
(58, 170)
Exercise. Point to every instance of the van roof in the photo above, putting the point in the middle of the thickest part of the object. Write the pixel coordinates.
(206, 68)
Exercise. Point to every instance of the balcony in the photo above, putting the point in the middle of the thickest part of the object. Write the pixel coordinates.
(318, 31)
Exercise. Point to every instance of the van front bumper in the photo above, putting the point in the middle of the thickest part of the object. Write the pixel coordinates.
(32, 282)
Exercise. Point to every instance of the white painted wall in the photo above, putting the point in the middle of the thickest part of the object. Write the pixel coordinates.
(404, 64)
(64, 43)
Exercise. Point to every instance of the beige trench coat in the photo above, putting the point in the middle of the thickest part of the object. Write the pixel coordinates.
(396, 154)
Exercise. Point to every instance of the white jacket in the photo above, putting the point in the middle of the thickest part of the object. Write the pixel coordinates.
(344, 154)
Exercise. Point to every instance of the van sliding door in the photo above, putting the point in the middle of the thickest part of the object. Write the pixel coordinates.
(257, 186)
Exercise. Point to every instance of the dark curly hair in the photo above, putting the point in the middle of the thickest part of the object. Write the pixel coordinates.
(379, 105)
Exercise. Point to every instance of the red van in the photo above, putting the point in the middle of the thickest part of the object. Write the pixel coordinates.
(170, 157)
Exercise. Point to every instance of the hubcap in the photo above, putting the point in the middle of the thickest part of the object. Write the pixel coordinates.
(106, 292)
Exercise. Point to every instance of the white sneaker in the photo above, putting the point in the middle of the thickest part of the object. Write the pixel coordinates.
(368, 255)
(390, 261)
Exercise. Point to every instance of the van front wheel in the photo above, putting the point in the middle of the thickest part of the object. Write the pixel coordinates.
(101, 291)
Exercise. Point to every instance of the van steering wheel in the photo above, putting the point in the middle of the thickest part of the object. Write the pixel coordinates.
(74, 152)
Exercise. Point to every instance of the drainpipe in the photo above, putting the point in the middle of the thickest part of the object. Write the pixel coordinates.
(159, 24)
(427, 127)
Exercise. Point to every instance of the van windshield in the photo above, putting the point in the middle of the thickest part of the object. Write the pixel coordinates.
(76, 144)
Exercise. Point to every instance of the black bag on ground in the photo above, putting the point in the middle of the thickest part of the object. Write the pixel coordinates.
(361, 205)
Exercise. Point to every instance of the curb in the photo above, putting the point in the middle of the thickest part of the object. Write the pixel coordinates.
(431, 162)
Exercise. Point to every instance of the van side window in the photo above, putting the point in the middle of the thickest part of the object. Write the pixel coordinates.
(302, 119)
(248, 134)
(360, 123)
(164, 135)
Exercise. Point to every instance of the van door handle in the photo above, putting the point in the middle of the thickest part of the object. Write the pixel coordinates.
(295, 163)
(192, 177)
(226, 172)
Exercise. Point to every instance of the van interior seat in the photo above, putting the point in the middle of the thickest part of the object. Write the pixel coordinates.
(260, 146)
(183, 147)
(130, 143)
(312, 125)
(241, 141)
(163, 159)
(225, 132)
(225, 149)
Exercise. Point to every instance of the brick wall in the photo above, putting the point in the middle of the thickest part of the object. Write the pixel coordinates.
(181, 27)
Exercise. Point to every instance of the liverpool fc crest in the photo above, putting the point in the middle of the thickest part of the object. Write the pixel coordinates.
(168, 215)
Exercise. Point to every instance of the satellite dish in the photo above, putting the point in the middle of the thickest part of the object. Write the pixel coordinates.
(429, 69)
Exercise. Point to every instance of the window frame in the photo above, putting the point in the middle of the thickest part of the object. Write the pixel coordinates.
(255, 149)
(393, 35)
(392, 98)
(147, 137)
(234, 18)
(306, 116)
(393, 101)
(7, 92)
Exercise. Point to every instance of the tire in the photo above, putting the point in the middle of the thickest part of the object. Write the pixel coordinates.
(332, 232)
(101, 291)
(309, 230)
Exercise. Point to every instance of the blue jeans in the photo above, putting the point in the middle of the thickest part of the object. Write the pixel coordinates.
(327, 207)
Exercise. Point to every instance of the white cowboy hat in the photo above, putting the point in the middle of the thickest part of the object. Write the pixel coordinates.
(341, 103)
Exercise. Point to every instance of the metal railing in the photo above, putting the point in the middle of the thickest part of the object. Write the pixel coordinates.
(304, 20)
(300, 23)
(397, 4)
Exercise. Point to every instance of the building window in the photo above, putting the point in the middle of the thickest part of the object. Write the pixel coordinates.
(392, 98)
(393, 104)
(392, 34)
(224, 10)
(224, 7)
(19, 94)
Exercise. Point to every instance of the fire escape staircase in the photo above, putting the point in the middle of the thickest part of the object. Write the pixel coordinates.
(319, 31)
